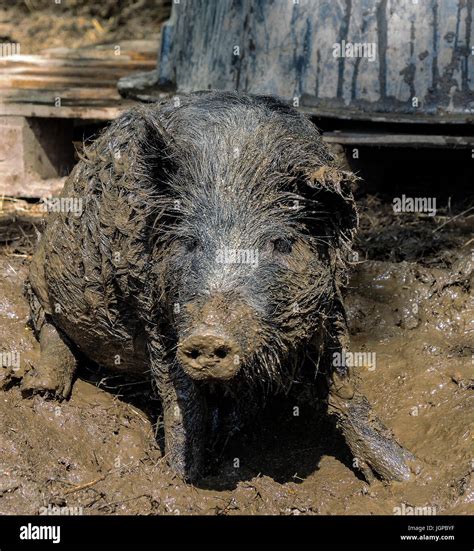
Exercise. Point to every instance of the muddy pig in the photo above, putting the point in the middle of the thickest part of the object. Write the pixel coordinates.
(209, 254)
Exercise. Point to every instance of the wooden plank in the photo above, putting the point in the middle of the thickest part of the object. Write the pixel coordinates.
(68, 112)
(85, 80)
(397, 140)
(29, 187)
(38, 63)
(353, 114)
(83, 103)
(48, 96)
(19, 209)
(135, 49)
(59, 81)
(58, 75)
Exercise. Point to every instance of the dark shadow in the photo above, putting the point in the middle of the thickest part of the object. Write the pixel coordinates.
(54, 151)
(281, 442)
(388, 174)
(280, 445)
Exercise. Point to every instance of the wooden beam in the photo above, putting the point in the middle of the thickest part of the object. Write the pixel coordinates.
(32, 188)
(73, 94)
(65, 112)
(397, 140)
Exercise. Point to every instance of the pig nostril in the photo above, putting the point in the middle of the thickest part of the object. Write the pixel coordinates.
(222, 352)
(194, 353)
(206, 356)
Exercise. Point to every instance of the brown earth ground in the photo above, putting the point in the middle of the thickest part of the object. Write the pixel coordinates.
(40, 24)
(98, 450)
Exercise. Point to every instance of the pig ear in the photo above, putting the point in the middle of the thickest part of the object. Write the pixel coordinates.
(332, 206)
(135, 151)
(157, 146)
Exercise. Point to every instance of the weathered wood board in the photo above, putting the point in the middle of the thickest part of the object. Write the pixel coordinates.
(72, 83)
(397, 140)
(411, 58)
(40, 95)
(33, 155)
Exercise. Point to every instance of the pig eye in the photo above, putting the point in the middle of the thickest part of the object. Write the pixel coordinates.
(283, 246)
(192, 245)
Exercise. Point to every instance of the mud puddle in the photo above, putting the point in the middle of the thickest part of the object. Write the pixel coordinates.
(411, 324)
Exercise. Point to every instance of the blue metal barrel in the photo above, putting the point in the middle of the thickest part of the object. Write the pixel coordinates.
(401, 60)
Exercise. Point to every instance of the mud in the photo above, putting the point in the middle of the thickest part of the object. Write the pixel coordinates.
(97, 453)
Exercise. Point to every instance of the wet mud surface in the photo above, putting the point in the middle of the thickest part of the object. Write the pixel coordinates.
(96, 453)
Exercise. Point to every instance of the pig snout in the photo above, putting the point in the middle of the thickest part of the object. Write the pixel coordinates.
(207, 355)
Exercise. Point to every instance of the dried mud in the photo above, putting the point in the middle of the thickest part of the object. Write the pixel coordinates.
(97, 453)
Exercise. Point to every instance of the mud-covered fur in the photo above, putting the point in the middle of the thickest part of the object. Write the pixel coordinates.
(245, 178)
(167, 188)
